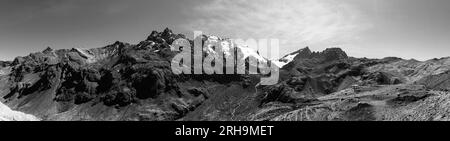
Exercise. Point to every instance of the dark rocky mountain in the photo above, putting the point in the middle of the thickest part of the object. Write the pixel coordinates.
(116, 82)
(122, 81)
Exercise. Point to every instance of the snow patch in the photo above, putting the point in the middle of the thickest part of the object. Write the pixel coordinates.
(228, 47)
(6, 114)
(285, 60)
(90, 58)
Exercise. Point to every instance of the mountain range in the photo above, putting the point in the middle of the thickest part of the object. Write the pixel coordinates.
(134, 82)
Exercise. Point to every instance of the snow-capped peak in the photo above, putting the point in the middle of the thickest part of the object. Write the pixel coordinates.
(285, 60)
(228, 47)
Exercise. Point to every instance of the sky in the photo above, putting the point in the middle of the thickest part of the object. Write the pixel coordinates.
(408, 29)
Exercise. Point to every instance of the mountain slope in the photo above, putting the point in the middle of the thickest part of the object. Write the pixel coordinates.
(413, 70)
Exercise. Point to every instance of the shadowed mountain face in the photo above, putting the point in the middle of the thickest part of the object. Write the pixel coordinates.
(135, 82)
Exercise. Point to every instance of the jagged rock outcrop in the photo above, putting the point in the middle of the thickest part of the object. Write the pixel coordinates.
(330, 54)
(165, 37)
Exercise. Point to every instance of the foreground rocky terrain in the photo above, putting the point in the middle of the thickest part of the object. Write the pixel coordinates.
(135, 82)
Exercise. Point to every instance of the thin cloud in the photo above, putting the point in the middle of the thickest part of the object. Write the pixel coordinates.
(297, 23)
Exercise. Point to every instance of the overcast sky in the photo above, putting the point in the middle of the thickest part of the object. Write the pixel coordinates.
(363, 28)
